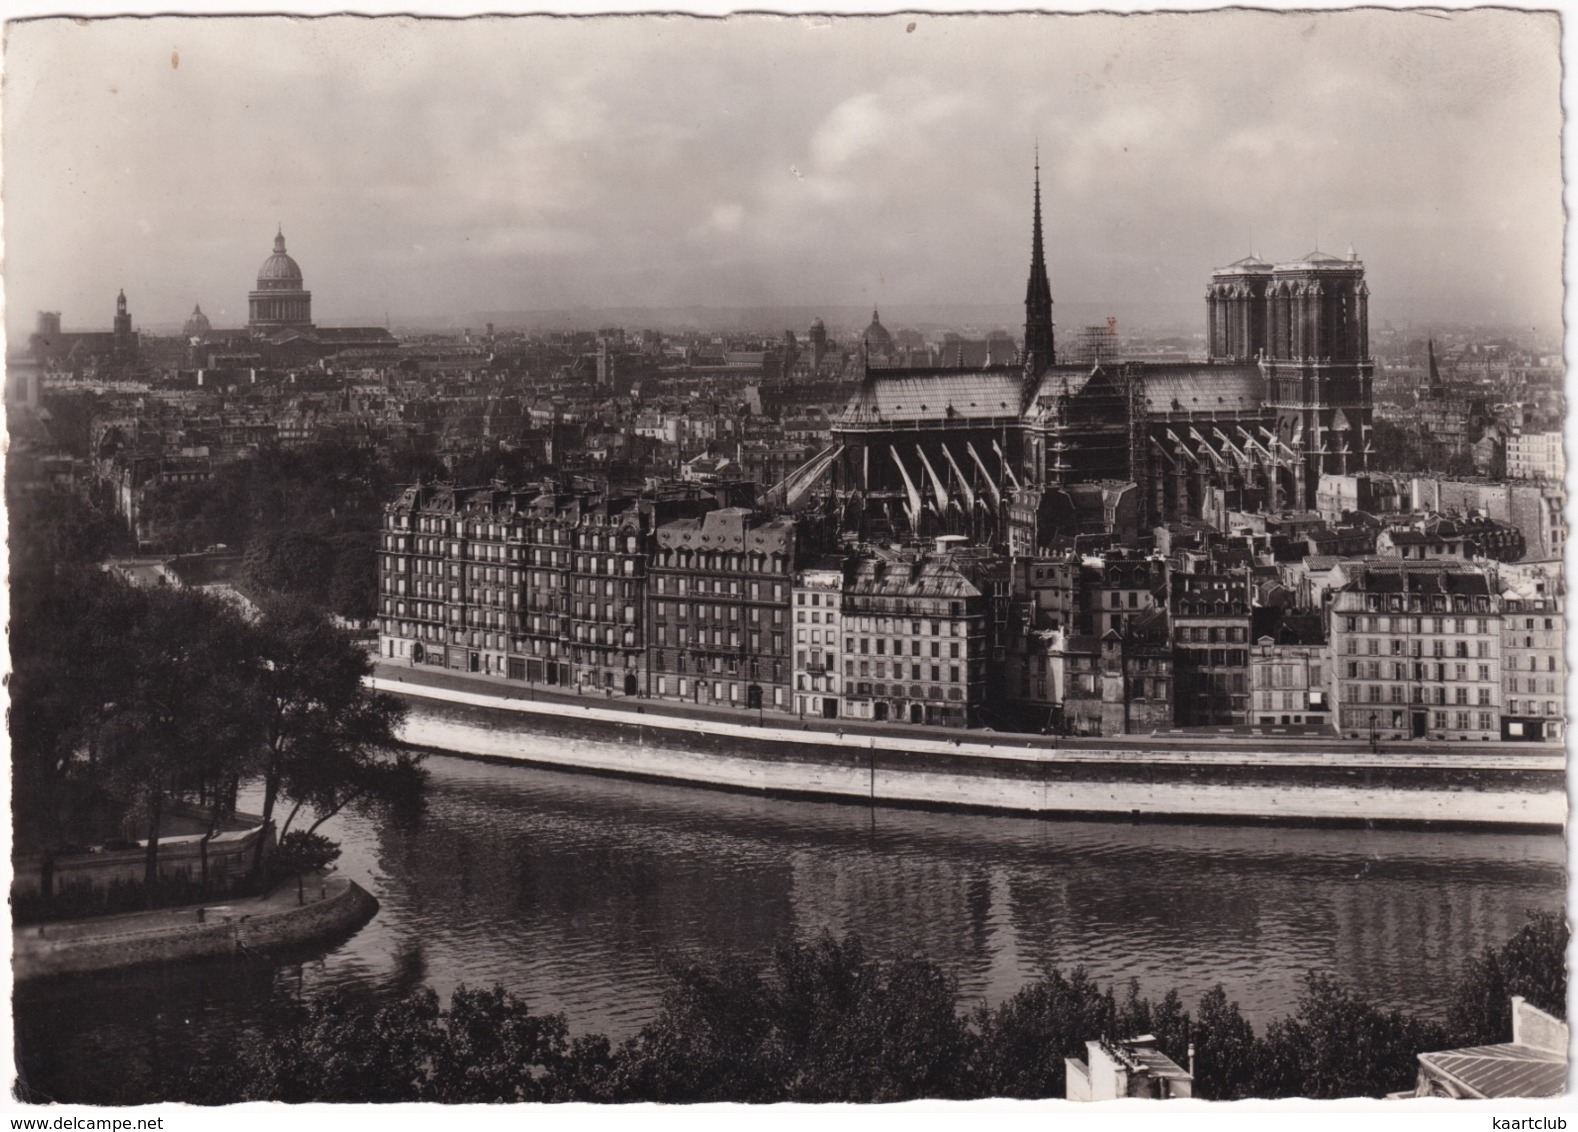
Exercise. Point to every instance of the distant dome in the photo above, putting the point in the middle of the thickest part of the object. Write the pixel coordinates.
(197, 326)
(279, 271)
(878, 340)
(816, 324)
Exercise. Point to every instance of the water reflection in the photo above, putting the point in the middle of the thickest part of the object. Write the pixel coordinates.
(574, 891)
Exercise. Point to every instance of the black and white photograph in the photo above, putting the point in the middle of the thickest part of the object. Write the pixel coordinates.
(786, 559)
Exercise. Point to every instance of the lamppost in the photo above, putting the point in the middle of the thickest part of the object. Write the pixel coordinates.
(1373, 746)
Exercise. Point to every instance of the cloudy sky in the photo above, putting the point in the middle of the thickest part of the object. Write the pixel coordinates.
(448, 167)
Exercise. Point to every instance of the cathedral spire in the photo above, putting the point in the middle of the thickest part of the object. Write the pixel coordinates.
(1038, 293)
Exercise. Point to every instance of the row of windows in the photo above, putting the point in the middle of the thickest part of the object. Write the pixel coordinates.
(904, 607)
(821, 661)
(899, 670)
(1439, 720)
(753, 563)
(425, 566)
(1289, 701)
(697, 637)
(1432, 603)
(705, 612)
(816, 617)
(664, 584)
(425, 610)
(606, 612)
(1448, 625)
(1289, 675)
(1397, 694)
(1530, 707)
(723, 665)
(912, 692)
(1378, 670)
(865, 643)
(1532, 686)
(897, 626)
(515, 532)
(1215, 658)
(833, 599)
(476, 638)
(714, 690)
(1371, 646)
(1528, 623)
(1213, 635)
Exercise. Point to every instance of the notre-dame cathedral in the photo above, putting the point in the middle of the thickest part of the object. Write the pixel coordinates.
(1023, 454)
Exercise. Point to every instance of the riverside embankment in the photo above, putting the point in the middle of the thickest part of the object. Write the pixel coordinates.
(327, 910)
(1227, 780)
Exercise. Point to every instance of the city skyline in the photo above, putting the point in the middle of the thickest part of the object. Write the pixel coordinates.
(779, 161)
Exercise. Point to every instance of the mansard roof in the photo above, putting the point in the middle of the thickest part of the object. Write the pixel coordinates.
(925, 576)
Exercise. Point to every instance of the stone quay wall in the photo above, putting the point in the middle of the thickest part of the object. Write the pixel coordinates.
(335, 907)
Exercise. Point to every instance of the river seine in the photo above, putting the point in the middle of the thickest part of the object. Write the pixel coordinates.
(573, 891)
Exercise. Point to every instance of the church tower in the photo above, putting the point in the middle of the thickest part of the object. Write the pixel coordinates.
(1039, 345)
(124, 343)
(1318, 367)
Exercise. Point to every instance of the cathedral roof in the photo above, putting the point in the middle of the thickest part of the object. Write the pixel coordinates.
(935, 395)
(1323, 261)
(1203, 390)
(1250, 263)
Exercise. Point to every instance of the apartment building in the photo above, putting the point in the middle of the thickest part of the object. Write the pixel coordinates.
(818, 640)
(1536, 456)
(1211, 621)
(718, 601)
(1416, 648)
(1288, 683)
(915, 640)
(532, 584)
(1534, 669)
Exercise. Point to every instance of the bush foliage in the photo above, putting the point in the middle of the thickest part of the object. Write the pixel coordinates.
(827, 1022)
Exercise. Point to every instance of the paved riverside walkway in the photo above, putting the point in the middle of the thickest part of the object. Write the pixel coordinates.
(1237, 746)
(404, 671)
(331, 904)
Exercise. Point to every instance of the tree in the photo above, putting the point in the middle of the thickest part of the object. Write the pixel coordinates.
(68, 627)
(1024, 1041)
(299, 853)
(824, 1023)
(328, 740)
(1224, 1046)
(180, 724)
(1337, 1045)
(487, 1047)
(353, 584)
(495, 1050)
(1533, 963)
(293, 562)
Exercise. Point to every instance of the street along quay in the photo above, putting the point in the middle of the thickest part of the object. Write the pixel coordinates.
(1220, 778)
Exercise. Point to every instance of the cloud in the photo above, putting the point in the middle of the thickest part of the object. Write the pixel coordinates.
(670, 160)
